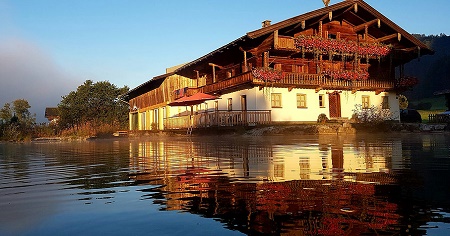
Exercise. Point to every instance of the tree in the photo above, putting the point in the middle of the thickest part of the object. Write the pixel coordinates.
(19, 111)
(20, 108)
(6, 114)
(16, 121)
(94, 105)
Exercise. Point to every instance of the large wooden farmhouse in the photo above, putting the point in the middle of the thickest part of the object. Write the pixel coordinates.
(329, 61)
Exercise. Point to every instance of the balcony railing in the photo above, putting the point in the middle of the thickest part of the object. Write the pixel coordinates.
(231, 82)
(219, 119)
(297, 80)
(315, 80)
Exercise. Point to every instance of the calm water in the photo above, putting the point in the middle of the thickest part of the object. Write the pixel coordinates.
(377, 185)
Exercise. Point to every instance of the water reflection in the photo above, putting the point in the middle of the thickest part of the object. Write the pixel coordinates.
(327, 185)
(306, 185)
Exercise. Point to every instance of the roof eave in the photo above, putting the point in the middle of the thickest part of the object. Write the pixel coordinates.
(348, 3)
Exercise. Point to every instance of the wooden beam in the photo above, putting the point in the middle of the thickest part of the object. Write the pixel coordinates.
(318, 89)
(320, 29)
(275, 39)
(354, 90)
(290, 88)
(407, 49)
(378, 91)
(214, 65)
(245, 62)
(363, 26)
(387, 37)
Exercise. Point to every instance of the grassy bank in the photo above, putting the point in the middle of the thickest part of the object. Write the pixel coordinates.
(425, 113)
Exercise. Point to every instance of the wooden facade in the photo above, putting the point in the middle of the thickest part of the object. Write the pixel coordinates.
(346, 47)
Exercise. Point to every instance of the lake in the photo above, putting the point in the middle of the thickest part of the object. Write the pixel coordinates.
(232, 185)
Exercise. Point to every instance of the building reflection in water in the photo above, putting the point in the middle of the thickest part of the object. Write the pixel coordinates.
(326, 185)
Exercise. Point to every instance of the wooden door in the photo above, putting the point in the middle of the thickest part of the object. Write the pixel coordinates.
(244, 102)
(334, 100)
(244, 109)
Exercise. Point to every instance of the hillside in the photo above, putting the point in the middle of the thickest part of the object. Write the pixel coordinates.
(432, 71)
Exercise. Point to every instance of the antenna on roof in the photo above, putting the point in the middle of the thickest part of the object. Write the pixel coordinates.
(326, 2)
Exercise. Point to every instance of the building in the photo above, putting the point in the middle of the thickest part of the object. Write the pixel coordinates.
(329, 61)
(52, 114)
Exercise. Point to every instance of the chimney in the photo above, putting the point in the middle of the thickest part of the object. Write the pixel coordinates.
(266, 23)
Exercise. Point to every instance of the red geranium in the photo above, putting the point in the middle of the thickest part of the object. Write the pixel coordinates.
(347, 74)
(340, 46)
(267, 74)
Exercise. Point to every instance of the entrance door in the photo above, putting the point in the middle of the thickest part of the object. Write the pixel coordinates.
(334, 100)
(244, 109)
(244, 102)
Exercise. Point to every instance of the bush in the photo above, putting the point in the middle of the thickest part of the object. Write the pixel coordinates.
(322, 118)
(371, 115)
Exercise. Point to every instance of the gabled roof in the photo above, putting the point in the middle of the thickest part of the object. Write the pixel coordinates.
(51, 112)
(345, 5)
(365, 14)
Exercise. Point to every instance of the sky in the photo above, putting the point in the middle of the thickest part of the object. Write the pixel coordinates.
(50, 47)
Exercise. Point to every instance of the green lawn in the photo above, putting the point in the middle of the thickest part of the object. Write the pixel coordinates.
(424, 114)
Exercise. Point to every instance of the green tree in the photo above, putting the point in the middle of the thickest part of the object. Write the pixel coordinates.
(20, 108)
(6, 114)
(16, 121)
(94, 105)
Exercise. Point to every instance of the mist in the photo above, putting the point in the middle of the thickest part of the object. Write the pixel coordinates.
(27, 72)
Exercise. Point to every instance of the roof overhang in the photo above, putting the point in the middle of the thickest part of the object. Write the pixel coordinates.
(147, 86)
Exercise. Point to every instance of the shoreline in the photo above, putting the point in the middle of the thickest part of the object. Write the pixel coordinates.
(270, 130)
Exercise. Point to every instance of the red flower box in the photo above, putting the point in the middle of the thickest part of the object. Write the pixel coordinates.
(267, 74)
(341, 47)
(347, 74)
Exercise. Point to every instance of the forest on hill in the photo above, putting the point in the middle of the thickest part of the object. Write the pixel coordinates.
(433, 72)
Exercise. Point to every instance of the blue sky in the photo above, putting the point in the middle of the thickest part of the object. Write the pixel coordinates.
(49, 47)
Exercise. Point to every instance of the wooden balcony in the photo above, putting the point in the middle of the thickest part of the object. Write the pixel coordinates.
(229, 83)
(219, 119)
(297, 80)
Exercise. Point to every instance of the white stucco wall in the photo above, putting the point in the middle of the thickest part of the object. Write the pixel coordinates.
(261, 100)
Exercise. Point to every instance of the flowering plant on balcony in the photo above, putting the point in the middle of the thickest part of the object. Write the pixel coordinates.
(406, 82)
(347, 74)
(342, 47)
(267, 74)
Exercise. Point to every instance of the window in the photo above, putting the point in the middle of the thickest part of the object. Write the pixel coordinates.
(230, 104)
(301, 100)
(143, 125)
(321, 100)
(385, 103)
(365, 101)
(244, 102)
(276, 100)
(216, 105)
(277, 66)
(278, 170)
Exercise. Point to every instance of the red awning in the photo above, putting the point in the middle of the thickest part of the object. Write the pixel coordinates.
(193, 100)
